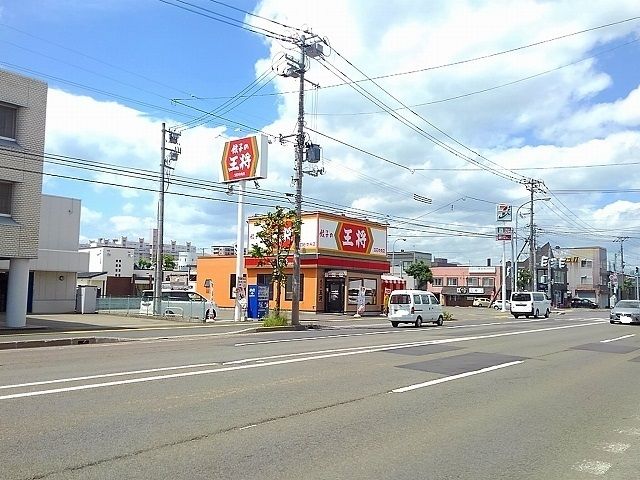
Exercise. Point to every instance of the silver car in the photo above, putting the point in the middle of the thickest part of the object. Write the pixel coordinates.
(625, 311)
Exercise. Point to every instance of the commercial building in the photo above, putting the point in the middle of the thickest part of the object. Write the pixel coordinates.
(338, 255)
(111, 270)
(457, 285)
(23, 104)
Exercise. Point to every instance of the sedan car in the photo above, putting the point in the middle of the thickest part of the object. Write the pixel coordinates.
(498, 305)
(481, 302)
(583, 303)
(625, 311)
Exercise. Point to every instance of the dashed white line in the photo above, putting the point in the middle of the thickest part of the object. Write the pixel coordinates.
(454, 377)
(594, 467)
(617, 338)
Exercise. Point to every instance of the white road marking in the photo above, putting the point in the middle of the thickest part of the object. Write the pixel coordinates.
(454, 377)
(344, 335)
(248, 426)
(107, 375)
(313, 356)
(595, 467)
(616, 447)
(617, 338)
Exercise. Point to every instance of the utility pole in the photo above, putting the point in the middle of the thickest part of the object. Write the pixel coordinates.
(533, 186)
(295, 301)
(621, 278)
(158, 271)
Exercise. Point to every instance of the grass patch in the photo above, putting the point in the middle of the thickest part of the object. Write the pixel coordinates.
(448, 316)
(275, 321)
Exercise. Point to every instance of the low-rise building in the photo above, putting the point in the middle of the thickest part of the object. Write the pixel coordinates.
(458, 285)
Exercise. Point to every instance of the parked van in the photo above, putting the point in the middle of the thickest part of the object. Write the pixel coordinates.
(179, 303)
(414, 306)
(530, 304)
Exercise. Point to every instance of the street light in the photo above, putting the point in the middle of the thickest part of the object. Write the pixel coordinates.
(393, 252)
(515, 254)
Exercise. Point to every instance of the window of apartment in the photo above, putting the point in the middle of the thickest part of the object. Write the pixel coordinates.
(288, 288)
(7, 122)
(452, 281)
(437, 281)
(6, 195)
(487, 281)
(585, 263)
(473, 282)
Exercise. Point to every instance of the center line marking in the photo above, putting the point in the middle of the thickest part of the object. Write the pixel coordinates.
(455, 377)
(617, 338)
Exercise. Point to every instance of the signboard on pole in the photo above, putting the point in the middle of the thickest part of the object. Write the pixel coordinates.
(503, 212)
(503, 233)
(244, 159)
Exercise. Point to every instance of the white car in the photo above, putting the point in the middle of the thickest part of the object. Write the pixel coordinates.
(530, 304)
(498, 305)
(414, 306)
(179, 303)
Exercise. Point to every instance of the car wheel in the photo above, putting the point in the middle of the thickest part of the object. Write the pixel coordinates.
(210, 315)
(527, 316)
(168, 312)
(612, 322)
(536, 314)
(516, 316)
(418, 322)
(546, 314)
(440, 321)
(395, 324)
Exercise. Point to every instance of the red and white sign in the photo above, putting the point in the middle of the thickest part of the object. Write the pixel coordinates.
(244, 159)
(352, 237)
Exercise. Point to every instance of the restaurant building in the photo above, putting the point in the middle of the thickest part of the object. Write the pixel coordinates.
(338, 256)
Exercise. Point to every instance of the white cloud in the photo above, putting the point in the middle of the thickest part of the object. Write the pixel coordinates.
(540, 124)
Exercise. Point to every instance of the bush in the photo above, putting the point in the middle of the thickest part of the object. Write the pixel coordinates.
(448, 316)
(275, 321)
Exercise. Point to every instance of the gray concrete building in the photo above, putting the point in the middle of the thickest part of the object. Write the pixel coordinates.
(23, 106)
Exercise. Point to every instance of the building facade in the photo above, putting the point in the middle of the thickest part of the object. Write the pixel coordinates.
(338, 256)
(458, 285)
(399, 262)
(113, 268)
(23, 104)
(587, 273)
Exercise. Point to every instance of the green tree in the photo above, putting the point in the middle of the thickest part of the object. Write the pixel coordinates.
(144, 263)
(168, 262)
(524, 279)
(421, 273)
(277, 231)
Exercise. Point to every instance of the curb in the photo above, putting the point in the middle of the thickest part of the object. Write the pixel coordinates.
(59, 342)
(286, 328)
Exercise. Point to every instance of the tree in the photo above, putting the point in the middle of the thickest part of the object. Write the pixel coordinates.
(144, 263)
(524, 279)
(168, 262)
(276, 234)
(421, 273)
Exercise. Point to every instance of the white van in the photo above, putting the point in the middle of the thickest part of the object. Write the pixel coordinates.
(530, 304)
(414, 306)
(179, 303)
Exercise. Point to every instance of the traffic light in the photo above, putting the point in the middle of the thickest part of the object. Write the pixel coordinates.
(544, 261)
(562, 263)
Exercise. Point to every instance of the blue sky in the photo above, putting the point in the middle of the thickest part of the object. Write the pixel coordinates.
(114, 67)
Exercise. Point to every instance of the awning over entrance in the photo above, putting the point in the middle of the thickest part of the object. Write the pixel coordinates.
(391, 282)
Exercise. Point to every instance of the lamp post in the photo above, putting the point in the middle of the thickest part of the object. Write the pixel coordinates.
(393, 252)
(515, 254)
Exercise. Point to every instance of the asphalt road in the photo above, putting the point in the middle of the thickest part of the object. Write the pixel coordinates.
(487, 397)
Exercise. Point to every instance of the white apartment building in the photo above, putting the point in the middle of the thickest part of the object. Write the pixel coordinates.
(23, 106)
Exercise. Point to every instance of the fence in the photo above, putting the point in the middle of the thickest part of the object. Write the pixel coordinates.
(120, 305)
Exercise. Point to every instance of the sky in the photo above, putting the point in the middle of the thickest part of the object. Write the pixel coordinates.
(461, 102)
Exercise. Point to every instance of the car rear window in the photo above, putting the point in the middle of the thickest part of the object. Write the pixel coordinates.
(521, 297)
(400, 299)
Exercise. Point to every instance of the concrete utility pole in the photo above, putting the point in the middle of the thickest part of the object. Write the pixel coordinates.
(159, 245)
(157, 280)
(295, 301)
(533, 186)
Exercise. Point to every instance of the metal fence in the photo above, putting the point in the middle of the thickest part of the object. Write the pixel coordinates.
(119, 305)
